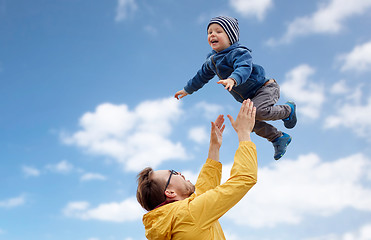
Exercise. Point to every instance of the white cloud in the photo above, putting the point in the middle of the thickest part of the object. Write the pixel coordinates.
(124, 8)
(190, 175)
(230, 235)
(358, 60)
(13, 202)
(198, 134)
(364, 233)
(2, 231)
(92, 176)
(288, 192)
(353, 115)
(61, 167)
(151, 30)
(253, 8)
(137, 138)
(30, 171)
(328, 19)
(74, 207)
(308, 95)
(209, 110)
(127, 210)
(339, 88)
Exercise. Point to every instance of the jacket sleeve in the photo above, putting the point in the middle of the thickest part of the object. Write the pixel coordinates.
(210, 206)
(209, 177)
(202, 77)
(242, 65)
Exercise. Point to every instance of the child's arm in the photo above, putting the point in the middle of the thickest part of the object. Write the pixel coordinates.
(180, 94)
(202, 77)
(242, 65)
(228, 83)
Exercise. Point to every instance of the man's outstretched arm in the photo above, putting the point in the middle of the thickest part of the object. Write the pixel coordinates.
(211, 205)
(211, 173)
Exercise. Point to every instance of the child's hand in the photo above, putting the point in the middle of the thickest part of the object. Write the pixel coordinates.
(227, 83)
(180, 94)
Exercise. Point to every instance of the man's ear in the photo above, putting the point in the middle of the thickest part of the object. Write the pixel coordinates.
(170, 193)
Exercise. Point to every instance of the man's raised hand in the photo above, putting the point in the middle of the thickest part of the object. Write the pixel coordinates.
(244, 123)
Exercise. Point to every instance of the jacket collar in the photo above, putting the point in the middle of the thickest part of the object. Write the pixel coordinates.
(166, 202)
(233, 46)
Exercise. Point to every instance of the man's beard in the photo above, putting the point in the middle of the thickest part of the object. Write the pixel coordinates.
(191, 188)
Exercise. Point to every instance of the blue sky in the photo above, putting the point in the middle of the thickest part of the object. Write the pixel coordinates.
(86, 102)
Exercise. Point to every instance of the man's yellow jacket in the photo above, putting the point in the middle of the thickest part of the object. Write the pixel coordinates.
(197, 217)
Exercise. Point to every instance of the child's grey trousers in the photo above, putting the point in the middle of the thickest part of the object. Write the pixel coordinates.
(264, 101)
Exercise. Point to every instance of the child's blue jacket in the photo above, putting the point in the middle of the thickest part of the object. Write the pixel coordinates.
(234, 62)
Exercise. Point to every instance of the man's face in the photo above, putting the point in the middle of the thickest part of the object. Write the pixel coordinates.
(183, 188)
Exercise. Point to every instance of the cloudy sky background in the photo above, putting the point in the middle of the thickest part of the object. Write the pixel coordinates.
(86, 102)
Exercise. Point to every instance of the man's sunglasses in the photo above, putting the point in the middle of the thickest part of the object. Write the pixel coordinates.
(172, 172)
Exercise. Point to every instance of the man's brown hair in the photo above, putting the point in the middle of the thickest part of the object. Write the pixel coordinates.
(150, 193)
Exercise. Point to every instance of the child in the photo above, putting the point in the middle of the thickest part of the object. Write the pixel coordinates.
(232, 63)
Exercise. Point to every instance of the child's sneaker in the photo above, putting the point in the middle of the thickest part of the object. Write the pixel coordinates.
(290, 122)
(280, 144)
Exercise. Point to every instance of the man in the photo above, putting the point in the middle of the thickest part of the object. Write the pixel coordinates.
(180, 210)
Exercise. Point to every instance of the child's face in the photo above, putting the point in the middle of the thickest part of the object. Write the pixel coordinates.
(217, 37)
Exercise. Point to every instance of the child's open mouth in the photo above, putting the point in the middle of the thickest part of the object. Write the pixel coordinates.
(214, 41)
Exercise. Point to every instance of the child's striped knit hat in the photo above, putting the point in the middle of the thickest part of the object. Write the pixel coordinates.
(230, 26)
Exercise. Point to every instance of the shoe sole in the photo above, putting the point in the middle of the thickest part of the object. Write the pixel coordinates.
(288, 142)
